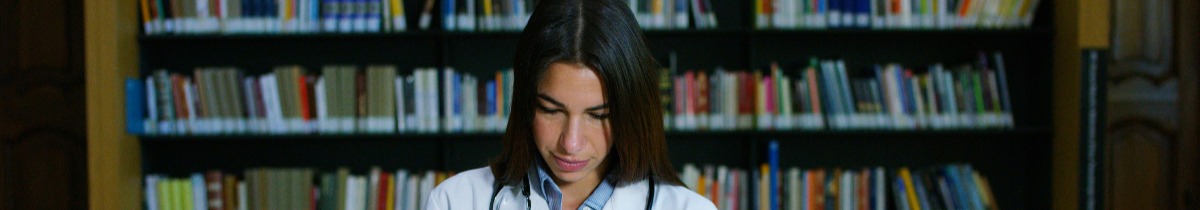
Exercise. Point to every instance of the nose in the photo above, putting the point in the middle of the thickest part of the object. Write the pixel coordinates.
(572, 140)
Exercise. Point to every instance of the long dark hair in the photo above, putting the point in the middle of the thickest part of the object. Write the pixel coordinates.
(602, 35)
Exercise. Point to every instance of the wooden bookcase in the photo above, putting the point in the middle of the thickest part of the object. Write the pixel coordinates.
(1017, 161)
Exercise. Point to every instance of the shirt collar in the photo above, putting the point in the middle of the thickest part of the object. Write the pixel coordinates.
(553, 194)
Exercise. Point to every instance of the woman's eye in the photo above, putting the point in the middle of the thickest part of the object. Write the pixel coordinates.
(599, 116)
(547, 110)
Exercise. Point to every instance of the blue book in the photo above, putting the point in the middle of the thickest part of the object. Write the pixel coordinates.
(199, 192)
(899, 191)
(329, 15)
(491, 97)
(448, 20)
(956, 188)
(135, 106)
(919, 186)
(773, 159)
(969, 185)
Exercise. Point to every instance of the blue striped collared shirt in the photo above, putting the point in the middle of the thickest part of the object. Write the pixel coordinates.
(553, 195)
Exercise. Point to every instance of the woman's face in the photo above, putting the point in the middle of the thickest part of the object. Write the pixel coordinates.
(570, 123)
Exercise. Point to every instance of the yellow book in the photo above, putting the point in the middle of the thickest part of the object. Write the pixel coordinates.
(164, 193)
(758, 7)
(487, 8)
(760, 94)
(700, 187)
(764, 198)
(390, 195)
(985, 191)
(500, 92)
(186, 191)
(441, 176)
(145, 11)
(908, 189)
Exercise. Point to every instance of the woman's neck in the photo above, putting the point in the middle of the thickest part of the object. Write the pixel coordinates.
(574, 193)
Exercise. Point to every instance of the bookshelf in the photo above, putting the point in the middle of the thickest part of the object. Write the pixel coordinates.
(1017, 161)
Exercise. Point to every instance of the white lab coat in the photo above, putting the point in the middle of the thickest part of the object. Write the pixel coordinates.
(473, 190)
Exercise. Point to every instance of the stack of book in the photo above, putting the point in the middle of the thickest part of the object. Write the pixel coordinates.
(894, 14)
(292, 188)
(272, 16)
(823, 95)
(342, 100)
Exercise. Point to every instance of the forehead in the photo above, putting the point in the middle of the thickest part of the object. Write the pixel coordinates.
(571, 81)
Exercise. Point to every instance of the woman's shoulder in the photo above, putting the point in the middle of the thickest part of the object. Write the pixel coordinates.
(681, 196)
(462, 191)
(470, 179)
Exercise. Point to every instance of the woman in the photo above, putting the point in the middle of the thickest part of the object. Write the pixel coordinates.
(586, 126)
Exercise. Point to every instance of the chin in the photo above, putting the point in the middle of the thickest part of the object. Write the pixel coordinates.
(570, 176)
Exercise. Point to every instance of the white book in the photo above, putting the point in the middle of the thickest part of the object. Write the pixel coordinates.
(199, 192)
(448, 114)
(427, 184)
(373, 188)
(270, 94)
(432, 99)
(151, 191)
(400, 180)
(190, 104)
(906, 16)
(411, 191)
(322, 106)
(242, 198)
(151, 105)
(878, 185)
(793, 189)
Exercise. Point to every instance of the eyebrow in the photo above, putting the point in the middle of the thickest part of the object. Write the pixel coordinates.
(560, 104)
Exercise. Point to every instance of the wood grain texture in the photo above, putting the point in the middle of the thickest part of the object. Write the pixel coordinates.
(114, 176)
(42, 144)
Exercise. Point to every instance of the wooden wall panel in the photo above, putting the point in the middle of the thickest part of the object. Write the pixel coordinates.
(42, 148)
(114, 175)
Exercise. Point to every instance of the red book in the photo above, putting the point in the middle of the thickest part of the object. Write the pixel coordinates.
(312, 197)
(302, 87)
(813, 91)
(702, 93)
(746, 96)
(680, 95)
(180, 99)
(212, 186)
(769, 85)
(384, 181)
(689, 80)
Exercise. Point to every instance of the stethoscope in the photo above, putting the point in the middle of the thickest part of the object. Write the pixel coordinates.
(497, 187)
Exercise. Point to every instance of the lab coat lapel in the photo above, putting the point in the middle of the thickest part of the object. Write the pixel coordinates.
(631, 196)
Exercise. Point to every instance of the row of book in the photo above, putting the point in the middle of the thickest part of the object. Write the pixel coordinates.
(824, 95)
(945, 187)
(272, 16)
(342, 100)
(894, 14)
(292, 188)
(673, 14)
(771, 187)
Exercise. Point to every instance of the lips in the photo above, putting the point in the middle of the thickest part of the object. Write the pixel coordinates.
(570, 165)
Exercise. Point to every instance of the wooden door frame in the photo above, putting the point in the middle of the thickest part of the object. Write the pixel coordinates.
(1187, 33)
